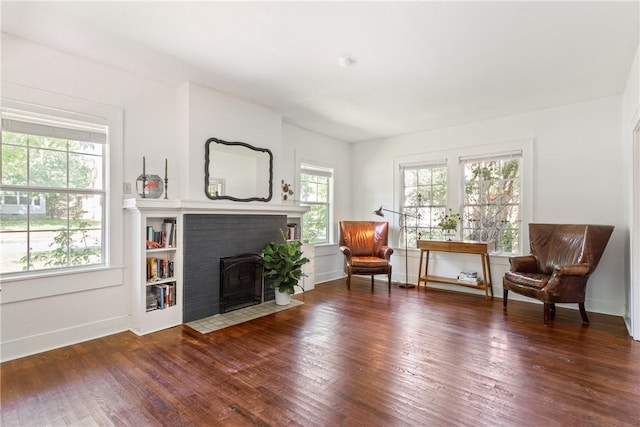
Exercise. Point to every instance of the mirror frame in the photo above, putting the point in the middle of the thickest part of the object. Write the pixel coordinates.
(241, 144)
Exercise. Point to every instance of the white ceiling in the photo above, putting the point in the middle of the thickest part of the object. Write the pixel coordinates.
(421, 65)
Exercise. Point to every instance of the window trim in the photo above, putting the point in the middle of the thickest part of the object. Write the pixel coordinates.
(517, 154)
(41, 102)
(325, 170)
(455, 184)
(441, 163)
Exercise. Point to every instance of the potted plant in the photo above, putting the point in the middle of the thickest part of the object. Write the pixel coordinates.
(283, 261)
(448, 222)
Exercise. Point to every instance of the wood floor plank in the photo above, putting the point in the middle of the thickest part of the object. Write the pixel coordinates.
(344, 358)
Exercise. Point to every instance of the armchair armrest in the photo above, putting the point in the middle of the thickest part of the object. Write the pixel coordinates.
(346, 251)
(572, 270)
(385, 252)
(524, 264)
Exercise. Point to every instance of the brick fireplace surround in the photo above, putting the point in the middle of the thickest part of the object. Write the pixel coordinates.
(207, 238)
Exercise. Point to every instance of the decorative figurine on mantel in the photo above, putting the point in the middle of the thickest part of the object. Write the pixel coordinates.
(287, 191)
(149, 186)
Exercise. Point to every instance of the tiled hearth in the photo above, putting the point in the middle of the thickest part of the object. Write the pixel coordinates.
(220, 321)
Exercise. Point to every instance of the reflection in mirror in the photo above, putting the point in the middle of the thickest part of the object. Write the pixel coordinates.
(237, 171)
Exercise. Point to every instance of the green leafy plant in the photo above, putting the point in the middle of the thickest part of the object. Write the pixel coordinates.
(69, 247)
(283, 261)
(449, 221)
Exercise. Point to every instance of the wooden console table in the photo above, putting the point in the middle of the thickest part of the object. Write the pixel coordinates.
(460, 247)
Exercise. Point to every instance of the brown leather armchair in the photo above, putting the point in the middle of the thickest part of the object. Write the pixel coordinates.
(563, 256)
(364, 245)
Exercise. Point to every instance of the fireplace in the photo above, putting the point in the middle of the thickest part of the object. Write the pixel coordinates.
(210, 237)
(240, 281)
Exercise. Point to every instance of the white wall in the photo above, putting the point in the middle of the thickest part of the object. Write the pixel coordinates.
(211, 114)
(299, 146)
(578, 177)
(631, 144)
(51, 311)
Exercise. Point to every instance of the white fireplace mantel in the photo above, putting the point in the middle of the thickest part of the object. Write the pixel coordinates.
(215, 207)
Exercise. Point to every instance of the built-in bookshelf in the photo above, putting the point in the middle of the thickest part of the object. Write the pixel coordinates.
(294, 231)
(161, 243)
(156, 273)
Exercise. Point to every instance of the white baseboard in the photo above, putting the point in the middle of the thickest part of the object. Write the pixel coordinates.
(327, 277)
(60, 338)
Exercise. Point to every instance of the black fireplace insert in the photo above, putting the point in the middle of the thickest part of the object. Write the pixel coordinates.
(240, 281)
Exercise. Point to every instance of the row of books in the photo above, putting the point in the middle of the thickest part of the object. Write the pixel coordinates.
(161, 296)
(469, 277)
(159, 268)
(164, 238)
(292, 232)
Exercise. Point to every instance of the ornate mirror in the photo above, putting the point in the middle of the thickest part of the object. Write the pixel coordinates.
(237, 171)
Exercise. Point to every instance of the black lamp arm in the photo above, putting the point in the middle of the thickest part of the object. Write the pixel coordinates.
(379, 212)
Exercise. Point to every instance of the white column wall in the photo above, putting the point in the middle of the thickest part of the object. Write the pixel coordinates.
(631, 141)
(212, 114)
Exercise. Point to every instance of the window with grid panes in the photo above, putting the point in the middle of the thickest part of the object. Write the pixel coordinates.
(424, 198)
(492, 201)
(52, 201)
(315, 192)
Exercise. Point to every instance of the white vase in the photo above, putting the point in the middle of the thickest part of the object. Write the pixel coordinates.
(282, 298)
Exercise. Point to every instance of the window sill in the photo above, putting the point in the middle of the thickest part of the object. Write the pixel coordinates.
(322, 245)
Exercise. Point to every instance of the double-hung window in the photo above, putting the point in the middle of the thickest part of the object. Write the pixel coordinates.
(424, 198)
(488, 186)
(315, 192)
(492, 200)
(52, 194)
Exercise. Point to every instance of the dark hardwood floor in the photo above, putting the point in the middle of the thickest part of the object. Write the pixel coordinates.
(357, 358)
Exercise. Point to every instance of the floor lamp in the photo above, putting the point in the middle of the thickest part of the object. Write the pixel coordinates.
(406, 283)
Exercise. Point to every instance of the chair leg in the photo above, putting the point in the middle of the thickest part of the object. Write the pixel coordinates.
(349, 280)
(547, 309)
(372, 276)
(505, 294)
(389, 280)
(583, 313)
(552, 311)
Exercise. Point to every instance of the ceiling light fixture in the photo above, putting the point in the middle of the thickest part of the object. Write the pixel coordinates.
(347, 61)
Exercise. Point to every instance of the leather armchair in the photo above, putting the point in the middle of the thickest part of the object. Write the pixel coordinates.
(365, 249)
(562, 258)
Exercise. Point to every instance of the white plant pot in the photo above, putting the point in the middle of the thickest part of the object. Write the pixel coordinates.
(282, 298)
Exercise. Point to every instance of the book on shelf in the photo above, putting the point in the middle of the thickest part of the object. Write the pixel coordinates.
(163, 237)
(165, 295)
(152, 300)
(292, 231)
(156, 239)
(469, 274)
(159, 268)
(152, 268)
(470, 277)
(170, 231)
(158, 291)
